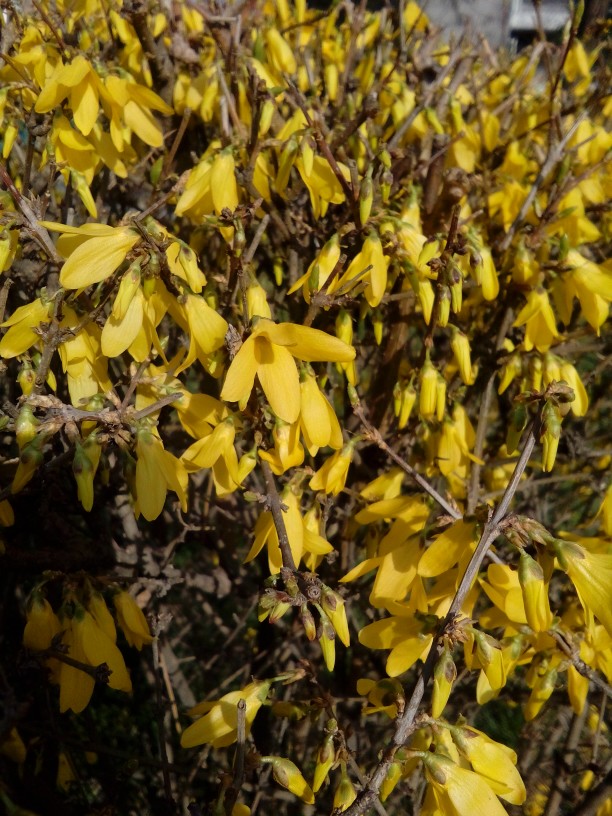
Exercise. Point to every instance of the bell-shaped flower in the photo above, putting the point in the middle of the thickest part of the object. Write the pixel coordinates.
(287, 451)
(591, 284)
(157, 471)
(591, 574)
(131, 620)
(94, 251)
(318, 420)
(540, 321)
(219, 723)
(21, 325)
(406, 638)
(268, 353)
(461, 792)
(493, 761)
(331, 477)
(370, 266)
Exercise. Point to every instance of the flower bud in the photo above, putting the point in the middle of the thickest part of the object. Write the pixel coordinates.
(445, 674)
(308, 622)
(535, 593)
(428, 390)
(287, 774)
(366, 198)
(130, 283)
(551, 435)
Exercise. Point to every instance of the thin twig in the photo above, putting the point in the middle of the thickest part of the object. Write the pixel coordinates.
(39, 233)
(376, 437)
(233, 791)
(276, 509)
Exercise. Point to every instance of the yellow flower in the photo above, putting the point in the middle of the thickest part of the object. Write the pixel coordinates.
(447, 548)
(591, 284)
(318, 420)
(460, 791)
(331, 477)
(219, 724)
(287, 774)
(219, 444)
(100, 648)
(132, 621)
(493, 761)
(21, 335)
(268, 354)
(80, 84)
(539, 317)
(157, 471)
(94, 251)
(535, 593)
(324, 264)
(403, 635)
(287, 451)
(591, 574)
(368, 266)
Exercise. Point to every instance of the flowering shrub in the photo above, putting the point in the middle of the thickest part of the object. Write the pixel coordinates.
(321, 284)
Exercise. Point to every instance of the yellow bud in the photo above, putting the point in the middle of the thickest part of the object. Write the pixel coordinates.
(26, 379)
(26, 426)
(444, 304)
(345, 793)
(461, 349)
(366, 199)
(326, 756)
(84, 476)
(535, 593)
(266, 116)
(535, 373)
(287, 774)
(279, 52)
(393, 776)
(445, 674)
(550, 436)
(29, 461)
(428, 381)
(331, 81)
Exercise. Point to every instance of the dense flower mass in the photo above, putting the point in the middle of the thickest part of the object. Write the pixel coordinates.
(303, 332)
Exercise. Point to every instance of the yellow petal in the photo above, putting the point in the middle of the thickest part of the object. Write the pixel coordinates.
(279, 379)
(96, 259)
(118, 335)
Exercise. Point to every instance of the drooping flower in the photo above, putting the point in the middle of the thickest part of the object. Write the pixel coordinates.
(219, 724)
(268, 353)
(591, 574)
(132, 621)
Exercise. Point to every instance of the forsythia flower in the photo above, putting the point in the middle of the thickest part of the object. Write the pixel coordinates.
(591, 574)
(94, 251)
(268, 354)
(157, 470)
(540, 319)
(219, 724)
(132, 620)
(460, 791)
(331, 477)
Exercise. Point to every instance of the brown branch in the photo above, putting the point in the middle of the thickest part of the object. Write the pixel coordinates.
(564, 763)
(483, 419)
(276, 508)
